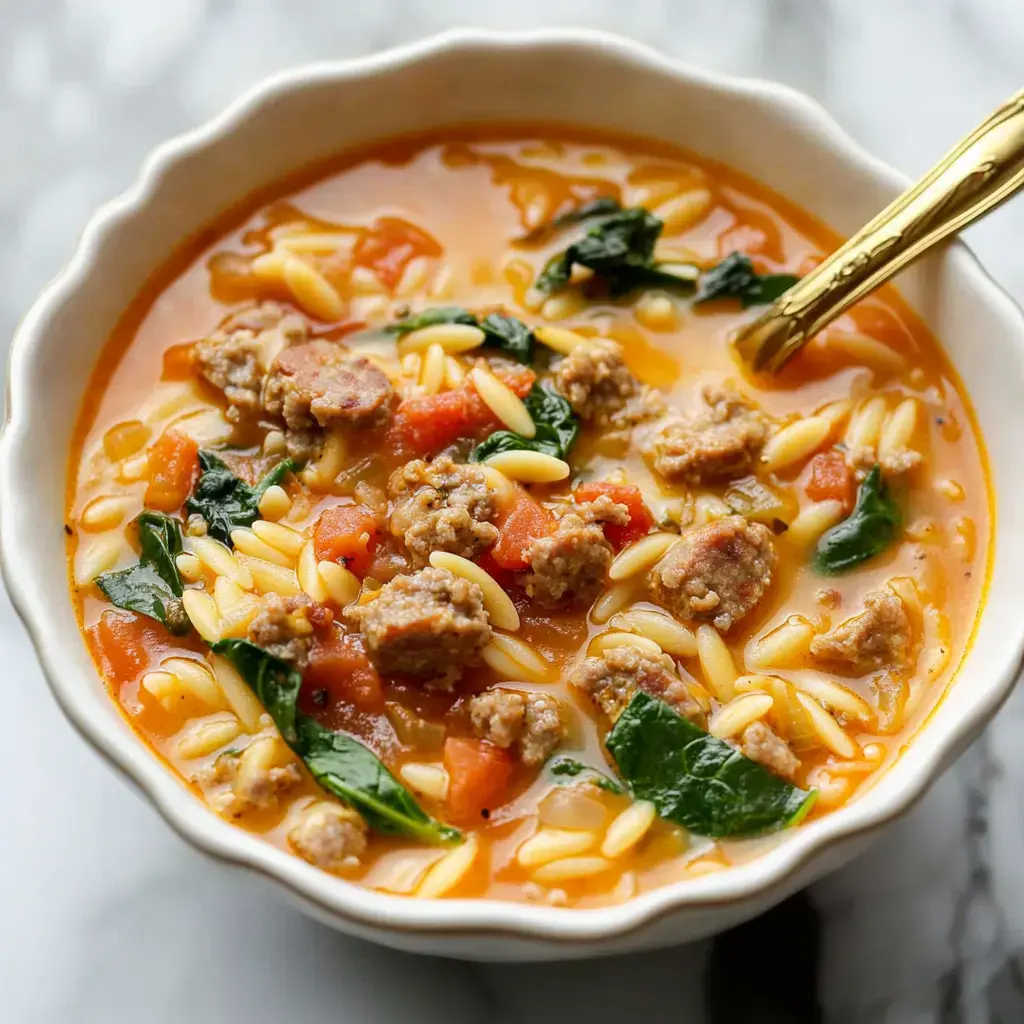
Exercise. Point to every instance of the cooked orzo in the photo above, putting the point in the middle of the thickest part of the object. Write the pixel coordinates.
(424, 524)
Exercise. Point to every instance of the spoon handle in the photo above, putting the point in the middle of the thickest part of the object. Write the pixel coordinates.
(982, 171)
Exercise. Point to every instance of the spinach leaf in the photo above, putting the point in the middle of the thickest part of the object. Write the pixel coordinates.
(868, 530)
(557, 428)
(698, 781)
(338, 762)
(224, 501)
(509, 335)
(735, 278)
(569, 767)
(159, 544)
(153, 586)
(620, 250)
(345, 767)
(430, 317)
(598, 207)
(275, 683)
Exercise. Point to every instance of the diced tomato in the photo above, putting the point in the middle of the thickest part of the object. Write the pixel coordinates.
(339, 665)
(124, 644)
(494, 569)
(390, 246)
(831, 479)
(173, 464)
(478, 777)
(526, 521)
(348, 534)
(640, 518)
(424, 426)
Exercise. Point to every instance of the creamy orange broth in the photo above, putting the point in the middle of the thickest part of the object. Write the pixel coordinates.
(476, 194)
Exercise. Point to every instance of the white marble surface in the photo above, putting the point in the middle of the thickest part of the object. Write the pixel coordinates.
(107, 917)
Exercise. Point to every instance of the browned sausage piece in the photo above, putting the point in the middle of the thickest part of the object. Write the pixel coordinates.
(531, 722)
(429, 624)
(720, 443)
(761, 744)
(611, 680)
(234, 358)
(442, 506)
(321, 383)
(284, 627)
(574, 560)
(718, 572)
(599, 386)
(877, 637)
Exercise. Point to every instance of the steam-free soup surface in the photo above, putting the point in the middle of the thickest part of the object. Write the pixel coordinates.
(423, 522)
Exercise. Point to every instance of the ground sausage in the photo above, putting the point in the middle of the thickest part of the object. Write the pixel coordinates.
(611, 680)
(284, 627)
(329, 836)
(428, 624)
(442, 506)
(258, 777)
(719, 443)
(235, 357)
(877, 637)
(718, 572)
(321, 383)
(531, 722)
(573, 560)
(599, 386)
(760, 744)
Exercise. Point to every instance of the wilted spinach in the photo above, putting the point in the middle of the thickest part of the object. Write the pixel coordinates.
(431, 317)
(599, 207)
(505, 333)
(619, 249)
(557, 428)
(569, 767)
(338, 762)
(696, 780)
(735, 278)
(226, 502)
(153, 586)
(867, 531)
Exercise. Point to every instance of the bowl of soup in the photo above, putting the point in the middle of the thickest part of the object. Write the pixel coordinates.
(384, 498)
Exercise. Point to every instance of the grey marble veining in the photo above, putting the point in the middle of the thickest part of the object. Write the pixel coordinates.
(107, 917)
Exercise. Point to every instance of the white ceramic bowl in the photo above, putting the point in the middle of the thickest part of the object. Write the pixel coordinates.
(771, 133)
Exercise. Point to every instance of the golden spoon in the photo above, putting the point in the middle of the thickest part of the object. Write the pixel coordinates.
(978, 174)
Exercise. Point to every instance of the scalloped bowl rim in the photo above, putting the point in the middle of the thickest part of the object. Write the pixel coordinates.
(362, 910)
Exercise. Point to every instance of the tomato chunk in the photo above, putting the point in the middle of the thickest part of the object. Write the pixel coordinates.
(348, 534)
(526, 521)
(640, 518)
(173, 464)
(478, 777)
(424, 426)
(831, 479)
(339, 666)
(390, 246)
(124, 644)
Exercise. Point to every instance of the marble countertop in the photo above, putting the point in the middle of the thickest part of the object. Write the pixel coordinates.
(108, 917)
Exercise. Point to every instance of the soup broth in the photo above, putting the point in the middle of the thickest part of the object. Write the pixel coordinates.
(536, 597)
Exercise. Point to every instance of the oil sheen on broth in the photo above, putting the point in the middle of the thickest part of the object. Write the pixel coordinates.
(798, 660)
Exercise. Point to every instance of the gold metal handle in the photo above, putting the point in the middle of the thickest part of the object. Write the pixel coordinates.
(982, 171)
